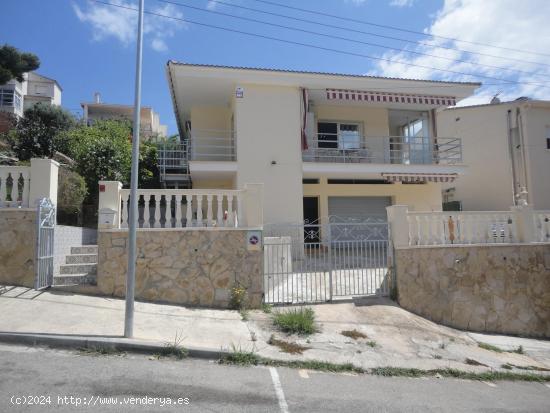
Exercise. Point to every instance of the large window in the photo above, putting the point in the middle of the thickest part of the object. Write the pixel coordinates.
(339, 135)
(9, 97)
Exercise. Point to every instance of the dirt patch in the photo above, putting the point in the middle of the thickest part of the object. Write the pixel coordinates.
(354, 334)
(286, 346)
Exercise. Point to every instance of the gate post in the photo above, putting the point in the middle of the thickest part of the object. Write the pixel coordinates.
(330, 292)
(43, 181)
(399, 225)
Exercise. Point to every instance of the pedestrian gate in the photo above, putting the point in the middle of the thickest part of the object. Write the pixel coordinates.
(44, 244)
(310, 263)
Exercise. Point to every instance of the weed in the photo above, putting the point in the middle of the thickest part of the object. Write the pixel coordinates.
(100, 351)
(174, 348)
(442, 346)
(437, 356)
(240, 357)
(485, 376)
(267, 308)
(506, 366)
(371, 343)
(394, 295)
(519, 350)
(285, 346)
(509, 366)
(490, 347)
(245, 315)
(239, 297)
(253, 336)
(353, 334)
(299, 321)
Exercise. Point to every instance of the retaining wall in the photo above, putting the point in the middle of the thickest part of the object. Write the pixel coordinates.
(485, 288)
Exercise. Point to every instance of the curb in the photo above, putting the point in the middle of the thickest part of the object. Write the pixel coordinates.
(110, 343)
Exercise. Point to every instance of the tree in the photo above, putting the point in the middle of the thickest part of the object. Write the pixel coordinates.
(70, 196)
(13, 63)
(149, 174)
(38, 133)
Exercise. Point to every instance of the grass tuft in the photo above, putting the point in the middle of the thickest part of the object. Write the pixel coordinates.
(519, 350)
(287, 347)
(485, 376)
(354, 334)
(174, 348)
(473, 362)
(99, 351)
(245, 315)
(295, 321)
(490, 347)
(372, 343)
(267, 308)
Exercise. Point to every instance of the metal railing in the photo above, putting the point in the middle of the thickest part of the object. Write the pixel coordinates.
(172, 159)
(343, 148)
(212, 145)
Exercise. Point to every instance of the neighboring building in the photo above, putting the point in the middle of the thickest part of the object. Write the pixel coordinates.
(17, 96)
(506, 146)
(324, 145)
(150, 123)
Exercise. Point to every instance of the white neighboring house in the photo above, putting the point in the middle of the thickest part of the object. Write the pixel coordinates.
(150, 122)
(324, 145)
(506, 146)
(17, 96)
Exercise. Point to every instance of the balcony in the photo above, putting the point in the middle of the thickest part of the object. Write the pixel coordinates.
(401, 150)
(212, 145)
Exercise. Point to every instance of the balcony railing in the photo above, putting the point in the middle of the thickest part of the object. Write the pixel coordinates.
(342, 148)
(212, 145)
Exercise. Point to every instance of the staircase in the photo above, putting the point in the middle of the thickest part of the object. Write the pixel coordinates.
(80, 267)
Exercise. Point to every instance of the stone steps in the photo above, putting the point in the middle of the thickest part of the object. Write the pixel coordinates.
(81, 259)
(65, 280)
(78, 269)
(84, 249)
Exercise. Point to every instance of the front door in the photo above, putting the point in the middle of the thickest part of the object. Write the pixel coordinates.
(311, 219)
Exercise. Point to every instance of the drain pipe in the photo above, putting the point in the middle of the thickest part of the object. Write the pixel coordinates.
(511, 152)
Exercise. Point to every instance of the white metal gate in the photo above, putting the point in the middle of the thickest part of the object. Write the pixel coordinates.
(310, 263)
(44, 244)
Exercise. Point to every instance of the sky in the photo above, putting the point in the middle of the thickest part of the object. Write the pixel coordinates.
(90, 47)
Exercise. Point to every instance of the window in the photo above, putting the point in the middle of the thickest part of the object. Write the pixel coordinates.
(6, 97)
(338, 135)
(548, 137)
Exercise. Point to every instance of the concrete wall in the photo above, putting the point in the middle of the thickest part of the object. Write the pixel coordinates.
(17, 246)
(267, 122)
(493, 288)
(191, 267)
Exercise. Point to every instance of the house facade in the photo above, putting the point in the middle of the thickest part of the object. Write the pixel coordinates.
(506, 146)
(150, 121)
(17, 96)
(325, 146)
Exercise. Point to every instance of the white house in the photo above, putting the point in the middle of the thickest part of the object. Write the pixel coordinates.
(17, 96)
(150, 122)
(506, 146)
(324, 145)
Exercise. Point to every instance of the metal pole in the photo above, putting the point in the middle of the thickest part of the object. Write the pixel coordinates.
(132, 218)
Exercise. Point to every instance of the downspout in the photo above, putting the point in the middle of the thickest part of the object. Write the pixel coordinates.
(521, 138)
(511, 151)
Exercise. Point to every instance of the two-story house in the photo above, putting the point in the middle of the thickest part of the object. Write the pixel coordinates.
(507, 150)
(149, 120)
(17, 96)
(325, 145)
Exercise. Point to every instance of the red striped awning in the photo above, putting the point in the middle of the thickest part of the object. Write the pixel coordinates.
(387, 97)
(417, 177)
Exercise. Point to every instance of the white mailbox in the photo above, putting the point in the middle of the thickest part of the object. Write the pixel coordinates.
(107, 218)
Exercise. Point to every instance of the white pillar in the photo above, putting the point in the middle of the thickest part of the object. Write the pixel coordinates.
(399, 225)
(109, 199)
(43, 180)
(253, 205)
(525, 223)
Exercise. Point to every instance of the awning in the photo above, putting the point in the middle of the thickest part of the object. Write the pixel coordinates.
(387, 97)
(418, 177)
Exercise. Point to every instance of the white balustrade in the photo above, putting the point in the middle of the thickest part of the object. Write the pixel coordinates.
(14, 186)
(441, 228)
(181, 208)
(542, 226)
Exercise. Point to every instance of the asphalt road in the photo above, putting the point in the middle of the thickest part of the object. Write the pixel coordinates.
(132, 382)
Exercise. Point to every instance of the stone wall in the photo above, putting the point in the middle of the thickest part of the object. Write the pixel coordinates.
(493, 288)
(185, 266)
(17, 246)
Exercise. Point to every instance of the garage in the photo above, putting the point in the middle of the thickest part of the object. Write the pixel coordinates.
(357, 208)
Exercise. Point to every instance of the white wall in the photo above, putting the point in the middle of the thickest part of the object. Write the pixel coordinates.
(267, 122)
(487, 184)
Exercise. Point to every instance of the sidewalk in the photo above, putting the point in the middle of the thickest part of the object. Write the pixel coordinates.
(395, 337)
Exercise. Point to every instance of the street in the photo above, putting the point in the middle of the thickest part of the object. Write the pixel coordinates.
(70, 381)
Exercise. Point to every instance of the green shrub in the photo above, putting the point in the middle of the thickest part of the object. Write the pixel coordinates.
(239, 297)
(71, 192)
(299, 321)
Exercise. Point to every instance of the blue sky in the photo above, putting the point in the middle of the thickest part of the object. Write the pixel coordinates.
(89, 47)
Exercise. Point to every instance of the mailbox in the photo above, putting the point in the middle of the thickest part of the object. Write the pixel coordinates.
(107, 218)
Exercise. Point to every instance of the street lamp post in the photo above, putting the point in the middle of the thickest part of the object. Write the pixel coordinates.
(133, 211)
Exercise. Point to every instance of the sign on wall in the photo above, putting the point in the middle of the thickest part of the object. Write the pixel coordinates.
(239, 92)
(254, 240)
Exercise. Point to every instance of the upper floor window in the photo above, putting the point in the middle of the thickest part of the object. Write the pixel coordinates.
(338, 135)
(40, 89)
(9, 97)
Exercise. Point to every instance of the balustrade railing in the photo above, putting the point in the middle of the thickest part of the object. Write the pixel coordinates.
(14, 186)
(440, 228)
(542, 226)
(175, 208)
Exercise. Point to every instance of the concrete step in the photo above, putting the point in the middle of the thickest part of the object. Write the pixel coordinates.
(66, 280)
(78, 269)
(81, 259)
(84, 249)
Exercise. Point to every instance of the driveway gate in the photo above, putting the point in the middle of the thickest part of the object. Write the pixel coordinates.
(310, 263)
(44, 244)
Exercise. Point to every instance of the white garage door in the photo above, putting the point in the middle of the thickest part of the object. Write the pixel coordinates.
(357, 208)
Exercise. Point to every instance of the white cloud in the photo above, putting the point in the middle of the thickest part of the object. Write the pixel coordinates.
(401, 3)
(503, 24)
(121, 24)
(211, 5)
